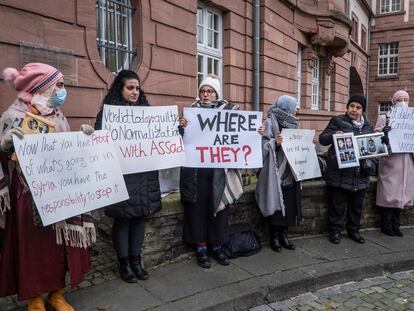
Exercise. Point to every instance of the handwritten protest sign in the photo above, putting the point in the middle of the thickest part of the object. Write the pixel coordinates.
(222, 138)
(402, 130)
(300, 153)
(147, 137)
(70, 173)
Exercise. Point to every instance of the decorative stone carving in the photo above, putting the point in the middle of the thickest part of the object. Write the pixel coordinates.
(326, 32)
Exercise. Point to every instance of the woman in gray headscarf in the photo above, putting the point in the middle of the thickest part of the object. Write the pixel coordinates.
(277, 192)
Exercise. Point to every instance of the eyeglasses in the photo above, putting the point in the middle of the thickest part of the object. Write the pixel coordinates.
(209, 92)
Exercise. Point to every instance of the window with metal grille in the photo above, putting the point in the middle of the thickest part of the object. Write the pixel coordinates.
(315, 84)
(114, 33)
(389, 6)
(209, 47)
(388, 59)
(384, 107)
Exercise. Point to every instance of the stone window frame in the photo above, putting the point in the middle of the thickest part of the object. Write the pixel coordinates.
(390, 4)
(115, 54)
(209, 58)
(388, 58)
(364, 37)
(355, 28)
(315, 83)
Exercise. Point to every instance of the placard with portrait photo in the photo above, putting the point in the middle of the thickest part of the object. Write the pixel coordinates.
(370, 146)
(346, 149)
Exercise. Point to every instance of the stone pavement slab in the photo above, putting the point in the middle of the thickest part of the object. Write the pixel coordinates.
(251, 281)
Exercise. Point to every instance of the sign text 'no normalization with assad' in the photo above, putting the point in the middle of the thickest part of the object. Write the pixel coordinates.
(70, 173)
(147, 134)
(222, 138)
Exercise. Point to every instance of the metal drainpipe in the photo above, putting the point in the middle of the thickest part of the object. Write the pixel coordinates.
(368, 60)
(256, 55)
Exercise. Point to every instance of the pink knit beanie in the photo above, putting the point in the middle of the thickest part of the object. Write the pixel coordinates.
(32, 79)
(399, 94)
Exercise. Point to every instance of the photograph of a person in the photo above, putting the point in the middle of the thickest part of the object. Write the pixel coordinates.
(370, 146)
(32, 124)
(346, 153)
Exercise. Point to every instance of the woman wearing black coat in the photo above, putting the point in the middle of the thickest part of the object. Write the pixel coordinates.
(143, 189)
(346, 187)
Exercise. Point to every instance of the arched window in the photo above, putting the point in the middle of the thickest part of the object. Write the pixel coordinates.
(114, 33)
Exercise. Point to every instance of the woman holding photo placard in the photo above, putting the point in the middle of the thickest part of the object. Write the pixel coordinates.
(395, 186)
(35, 259)
(347, 186)
(143, 188)
(281, 192)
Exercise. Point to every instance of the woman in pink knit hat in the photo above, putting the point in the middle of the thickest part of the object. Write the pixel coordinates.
(395, 186)
(34, 259)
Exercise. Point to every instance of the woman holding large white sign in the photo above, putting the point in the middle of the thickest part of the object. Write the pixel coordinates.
(143, 188)
(277, 192)
(34, 259)
(395, 186)
(206, 192)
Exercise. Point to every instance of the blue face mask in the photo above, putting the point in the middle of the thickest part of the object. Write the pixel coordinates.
(59, 98)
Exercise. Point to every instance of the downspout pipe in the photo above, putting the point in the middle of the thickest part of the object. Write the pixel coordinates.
(256, 55)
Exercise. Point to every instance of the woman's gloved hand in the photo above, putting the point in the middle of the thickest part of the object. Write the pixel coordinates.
(7, 141)
(86, 129)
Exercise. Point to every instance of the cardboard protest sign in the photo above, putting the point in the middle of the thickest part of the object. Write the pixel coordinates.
(300, 153)
(402, 130)
(147, 138)
(222, 138)
(70, 173)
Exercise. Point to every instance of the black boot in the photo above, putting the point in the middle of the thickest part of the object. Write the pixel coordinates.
(137, 268)
(283, 239)
(125, 270)
(274, 239)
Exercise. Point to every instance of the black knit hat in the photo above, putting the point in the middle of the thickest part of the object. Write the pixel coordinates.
(359, 98)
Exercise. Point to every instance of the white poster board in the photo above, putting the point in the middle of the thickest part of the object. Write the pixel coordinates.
(147, 138)
(401, 135)
(70, 173)
(300, 153)
(219, 138)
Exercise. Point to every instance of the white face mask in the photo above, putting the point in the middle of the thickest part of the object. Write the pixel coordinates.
(401, 104)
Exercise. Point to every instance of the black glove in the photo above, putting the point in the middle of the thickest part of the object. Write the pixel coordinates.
(181, 130)
(385, 140)
(386, 129)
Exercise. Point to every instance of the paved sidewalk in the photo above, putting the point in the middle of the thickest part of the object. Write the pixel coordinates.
(252, 281)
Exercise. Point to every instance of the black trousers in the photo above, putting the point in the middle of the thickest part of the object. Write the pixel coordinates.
(128, 236)
(292, 201)
(200, 224)
(390, 218)
(343, 201)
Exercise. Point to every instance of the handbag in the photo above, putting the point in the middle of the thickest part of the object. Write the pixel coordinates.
(243, 241)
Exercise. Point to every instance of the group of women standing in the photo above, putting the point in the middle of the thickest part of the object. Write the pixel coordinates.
(205, 192)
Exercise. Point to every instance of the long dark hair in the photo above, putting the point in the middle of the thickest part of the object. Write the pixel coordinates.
(114, 95)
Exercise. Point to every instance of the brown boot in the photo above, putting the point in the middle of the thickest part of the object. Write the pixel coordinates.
(57, 302)
(36, 304)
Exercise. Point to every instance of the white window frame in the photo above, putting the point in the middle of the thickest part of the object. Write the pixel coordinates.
(390, 6)
(384, 107)
(315, 84)
(299, 74)
(387, 58)
(121, 48)
(205, 51)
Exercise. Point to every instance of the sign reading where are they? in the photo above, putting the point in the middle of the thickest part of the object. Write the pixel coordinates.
(300, 153)
(70, 173)
(147, 138)
(219, 138)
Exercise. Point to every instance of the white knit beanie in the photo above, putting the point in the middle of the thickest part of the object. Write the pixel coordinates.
(214, 83)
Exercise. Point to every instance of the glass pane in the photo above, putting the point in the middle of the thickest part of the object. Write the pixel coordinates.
(216, 22)
(216, 67)
(200, 16)
(209, 38)
(209, 20)
(200, 78)
(209, 65)
(200, 63)
(199, 34)
(216, 40)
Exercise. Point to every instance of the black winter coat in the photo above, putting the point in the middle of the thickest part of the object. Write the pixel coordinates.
(143, 189)
(353, 178)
